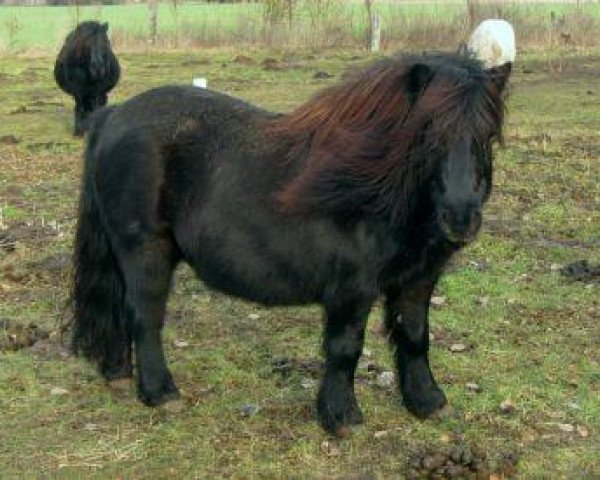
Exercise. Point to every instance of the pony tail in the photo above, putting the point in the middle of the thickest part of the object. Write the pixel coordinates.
(98, 291)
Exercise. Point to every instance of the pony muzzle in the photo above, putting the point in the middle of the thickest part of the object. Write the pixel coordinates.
(460, 225)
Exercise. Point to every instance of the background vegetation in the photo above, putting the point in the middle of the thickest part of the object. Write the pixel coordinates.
(300, 23)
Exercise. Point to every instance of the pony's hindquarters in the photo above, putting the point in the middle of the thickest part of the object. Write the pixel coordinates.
(124, 258)
(100, 332)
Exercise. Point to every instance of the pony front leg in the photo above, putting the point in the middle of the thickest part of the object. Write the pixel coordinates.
(406, 318)
(343, 342)
(147, 271)
(80, 114)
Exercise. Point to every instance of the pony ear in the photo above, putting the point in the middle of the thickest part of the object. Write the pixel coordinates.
(417, 78)
(499, 75)
(105, 26)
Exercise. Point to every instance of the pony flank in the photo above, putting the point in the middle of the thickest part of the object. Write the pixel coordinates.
(365, 191)
(87, 69)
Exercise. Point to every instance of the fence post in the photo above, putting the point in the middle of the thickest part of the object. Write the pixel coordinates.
(472, 8)
(375, 33)
(373, 28)
(153, 20)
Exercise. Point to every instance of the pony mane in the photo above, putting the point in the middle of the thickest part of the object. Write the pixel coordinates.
(82, 35)
(371, 141)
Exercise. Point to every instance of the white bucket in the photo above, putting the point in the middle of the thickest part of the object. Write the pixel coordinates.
(199, 82)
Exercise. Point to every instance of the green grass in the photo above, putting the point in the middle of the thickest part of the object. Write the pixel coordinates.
(535, 342)
(328, 23)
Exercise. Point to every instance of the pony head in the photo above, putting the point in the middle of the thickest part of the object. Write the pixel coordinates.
(410, 133)
(99, 45)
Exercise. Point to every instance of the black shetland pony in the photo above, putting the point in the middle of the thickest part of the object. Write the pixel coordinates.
(87, 69)
(366, 190)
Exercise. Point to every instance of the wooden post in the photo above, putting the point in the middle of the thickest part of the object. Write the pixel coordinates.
(153, 21)
(472, 7)
(373, 28)
(375, 33)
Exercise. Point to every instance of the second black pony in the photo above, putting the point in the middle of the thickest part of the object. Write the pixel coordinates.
(87, 69)
(366, 190)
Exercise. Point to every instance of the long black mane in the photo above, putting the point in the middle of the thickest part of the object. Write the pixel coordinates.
(374, 138)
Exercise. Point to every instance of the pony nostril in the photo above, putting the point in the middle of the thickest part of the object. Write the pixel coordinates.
(446, 217)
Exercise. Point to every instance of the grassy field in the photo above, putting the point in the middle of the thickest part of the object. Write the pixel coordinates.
(333, 22)
(531, 335)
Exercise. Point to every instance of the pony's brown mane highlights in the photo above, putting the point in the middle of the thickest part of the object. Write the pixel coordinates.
(371, 141)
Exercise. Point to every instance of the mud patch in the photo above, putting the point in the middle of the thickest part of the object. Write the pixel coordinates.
(51, 348)
(25, 232)
(576, 67)
(450, 340)
(38, 146)
(44, 103)
(285, 366)
(9, 140)
(54, 263)
(272, 64)
(244, 60)
(23, 109)
(321, 75)
(190, 63)
(278, 65)
(14, 337)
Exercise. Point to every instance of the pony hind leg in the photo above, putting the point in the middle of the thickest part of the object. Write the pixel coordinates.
(345, 326)
(147, 269)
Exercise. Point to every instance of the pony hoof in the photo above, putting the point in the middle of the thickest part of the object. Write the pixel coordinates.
(355, 417)
(341, 426)
(158, 397)
(154, 400)
(426, 406)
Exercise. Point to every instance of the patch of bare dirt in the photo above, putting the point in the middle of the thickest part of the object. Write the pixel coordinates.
(26, 232)
(24, 109)
(192, 62)
(244, 60)
(46, 145)
(278, 65)
(44, 103)
(306, 366)
(9, 140)
(576, 67)
(14, 336)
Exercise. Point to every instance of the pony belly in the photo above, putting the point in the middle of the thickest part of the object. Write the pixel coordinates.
(256, 286)
(246, 274)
